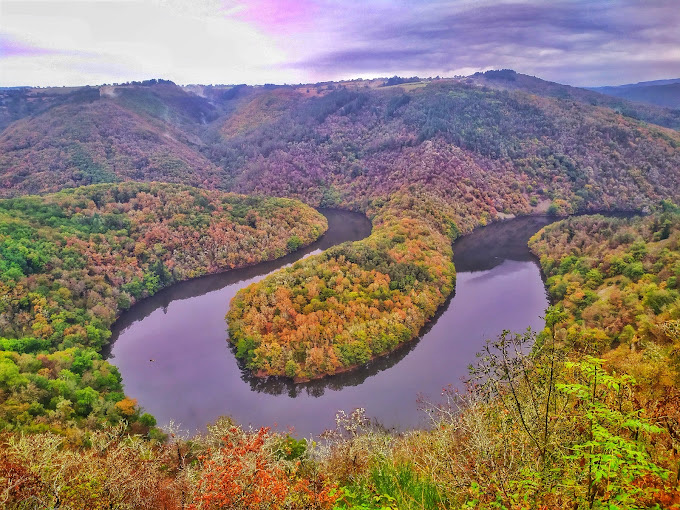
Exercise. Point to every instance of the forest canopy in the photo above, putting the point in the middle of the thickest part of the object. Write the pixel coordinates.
(71, 262)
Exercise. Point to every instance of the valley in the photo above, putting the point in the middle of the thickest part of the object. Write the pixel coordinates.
(136, 216)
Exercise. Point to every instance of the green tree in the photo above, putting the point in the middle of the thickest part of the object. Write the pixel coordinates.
(611, 454)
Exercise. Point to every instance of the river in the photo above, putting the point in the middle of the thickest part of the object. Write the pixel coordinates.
(172, 352)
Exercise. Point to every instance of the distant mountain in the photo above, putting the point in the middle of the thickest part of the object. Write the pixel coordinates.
(640, 84)
(659, 92)
(19, 102)
(162, 100)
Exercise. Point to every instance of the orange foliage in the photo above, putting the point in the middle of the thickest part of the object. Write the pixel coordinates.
(127, 406)
(244, 474)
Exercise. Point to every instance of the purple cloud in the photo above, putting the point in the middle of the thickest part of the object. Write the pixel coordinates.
(11, 47)
(573, 41)
(280, 16)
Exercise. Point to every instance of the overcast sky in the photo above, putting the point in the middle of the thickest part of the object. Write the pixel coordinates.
(77, 42)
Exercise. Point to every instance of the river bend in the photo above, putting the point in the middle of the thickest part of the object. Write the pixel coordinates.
(194, 377)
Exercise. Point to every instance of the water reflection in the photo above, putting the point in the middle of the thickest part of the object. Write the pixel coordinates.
(488, 247)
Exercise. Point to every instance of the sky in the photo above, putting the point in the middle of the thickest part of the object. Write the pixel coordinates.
(582, 43)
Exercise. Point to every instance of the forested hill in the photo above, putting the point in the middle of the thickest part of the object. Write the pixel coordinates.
(662, 106)
(89, 137)
(478, 149)
(482, 151)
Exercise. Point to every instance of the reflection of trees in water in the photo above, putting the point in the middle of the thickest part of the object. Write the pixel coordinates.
(489, 246)
(317, 387)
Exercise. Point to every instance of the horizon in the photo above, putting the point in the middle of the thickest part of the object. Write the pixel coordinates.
(65, 43)
(301, 84)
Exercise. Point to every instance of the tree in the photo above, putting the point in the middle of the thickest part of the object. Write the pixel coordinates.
(612, 449)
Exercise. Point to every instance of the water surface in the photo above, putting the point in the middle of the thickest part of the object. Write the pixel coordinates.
(194, 377)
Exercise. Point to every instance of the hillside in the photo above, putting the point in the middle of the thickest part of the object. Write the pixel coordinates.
(482, 151)
(20, 102)
(499, 151)
(95, 141)
(654, 113)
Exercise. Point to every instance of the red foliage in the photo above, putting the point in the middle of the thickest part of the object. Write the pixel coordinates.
(244, 474)
(19, 483)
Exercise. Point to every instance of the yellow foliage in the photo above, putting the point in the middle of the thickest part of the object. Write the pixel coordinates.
(127, 406)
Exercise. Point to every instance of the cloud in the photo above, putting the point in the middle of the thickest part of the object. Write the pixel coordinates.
(280, 16)
(12, 47)
(70, 42)
(117, 41)
(561, 38)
